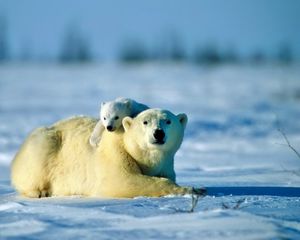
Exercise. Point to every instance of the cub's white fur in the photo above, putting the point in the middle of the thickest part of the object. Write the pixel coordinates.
(112, 114)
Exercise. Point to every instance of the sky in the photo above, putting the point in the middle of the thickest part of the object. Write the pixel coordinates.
(246, 26)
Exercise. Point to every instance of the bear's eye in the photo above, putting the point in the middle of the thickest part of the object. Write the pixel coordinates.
(168, 122)
(116, 117)
(145, 122)
(104, 118)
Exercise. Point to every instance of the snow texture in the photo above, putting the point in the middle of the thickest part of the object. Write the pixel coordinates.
(231, 146)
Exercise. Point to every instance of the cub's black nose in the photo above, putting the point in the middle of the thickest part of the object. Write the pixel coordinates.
(159, 135)
(109, 128)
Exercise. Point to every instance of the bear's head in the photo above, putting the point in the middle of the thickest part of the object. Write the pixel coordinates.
(112, 114)
(154, 133)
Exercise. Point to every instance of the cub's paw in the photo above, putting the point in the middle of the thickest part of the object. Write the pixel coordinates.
(94, 141)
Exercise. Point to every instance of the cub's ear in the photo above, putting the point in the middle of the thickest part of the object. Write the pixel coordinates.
(126, 122)
(102, 104)
(128, 104)
(182, 119)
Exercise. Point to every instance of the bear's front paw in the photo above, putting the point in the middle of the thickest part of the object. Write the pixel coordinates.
(199, 191)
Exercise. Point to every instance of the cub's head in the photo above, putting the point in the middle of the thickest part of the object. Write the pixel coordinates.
(112, 114)
(154, 129)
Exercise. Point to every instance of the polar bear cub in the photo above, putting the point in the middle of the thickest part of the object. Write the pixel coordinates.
(112, 114)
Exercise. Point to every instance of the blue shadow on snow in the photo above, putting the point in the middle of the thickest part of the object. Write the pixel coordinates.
(257, 191)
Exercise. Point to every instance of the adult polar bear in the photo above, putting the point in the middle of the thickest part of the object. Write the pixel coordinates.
(59, 160)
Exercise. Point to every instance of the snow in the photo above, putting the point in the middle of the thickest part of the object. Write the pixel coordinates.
(231, 146)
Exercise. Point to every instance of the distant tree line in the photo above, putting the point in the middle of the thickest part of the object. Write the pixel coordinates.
(209, 54)
(3, 40)
(76, 48)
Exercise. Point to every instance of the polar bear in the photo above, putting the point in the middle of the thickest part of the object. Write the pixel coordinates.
(112, 114)
(134, 161)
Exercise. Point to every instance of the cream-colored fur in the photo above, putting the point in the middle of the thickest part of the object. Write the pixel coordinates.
(59, 160)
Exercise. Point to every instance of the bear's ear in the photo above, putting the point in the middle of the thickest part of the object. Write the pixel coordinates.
(182, 119)
(102, 104)
(126, 122)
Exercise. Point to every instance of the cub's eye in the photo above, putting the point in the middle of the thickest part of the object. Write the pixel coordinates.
(104, 118)
(116, 117)
(145, 122)
(168, 122)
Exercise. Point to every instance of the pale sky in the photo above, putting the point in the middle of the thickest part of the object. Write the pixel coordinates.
(246, 25)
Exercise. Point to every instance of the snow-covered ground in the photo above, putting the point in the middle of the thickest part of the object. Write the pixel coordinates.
(231, 145)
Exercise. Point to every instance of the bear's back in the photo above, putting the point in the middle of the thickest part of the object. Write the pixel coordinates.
(74, 158)
(77, 128)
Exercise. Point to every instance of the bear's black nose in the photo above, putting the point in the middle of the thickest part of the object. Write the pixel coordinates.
(159, 135)
(109, 128)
